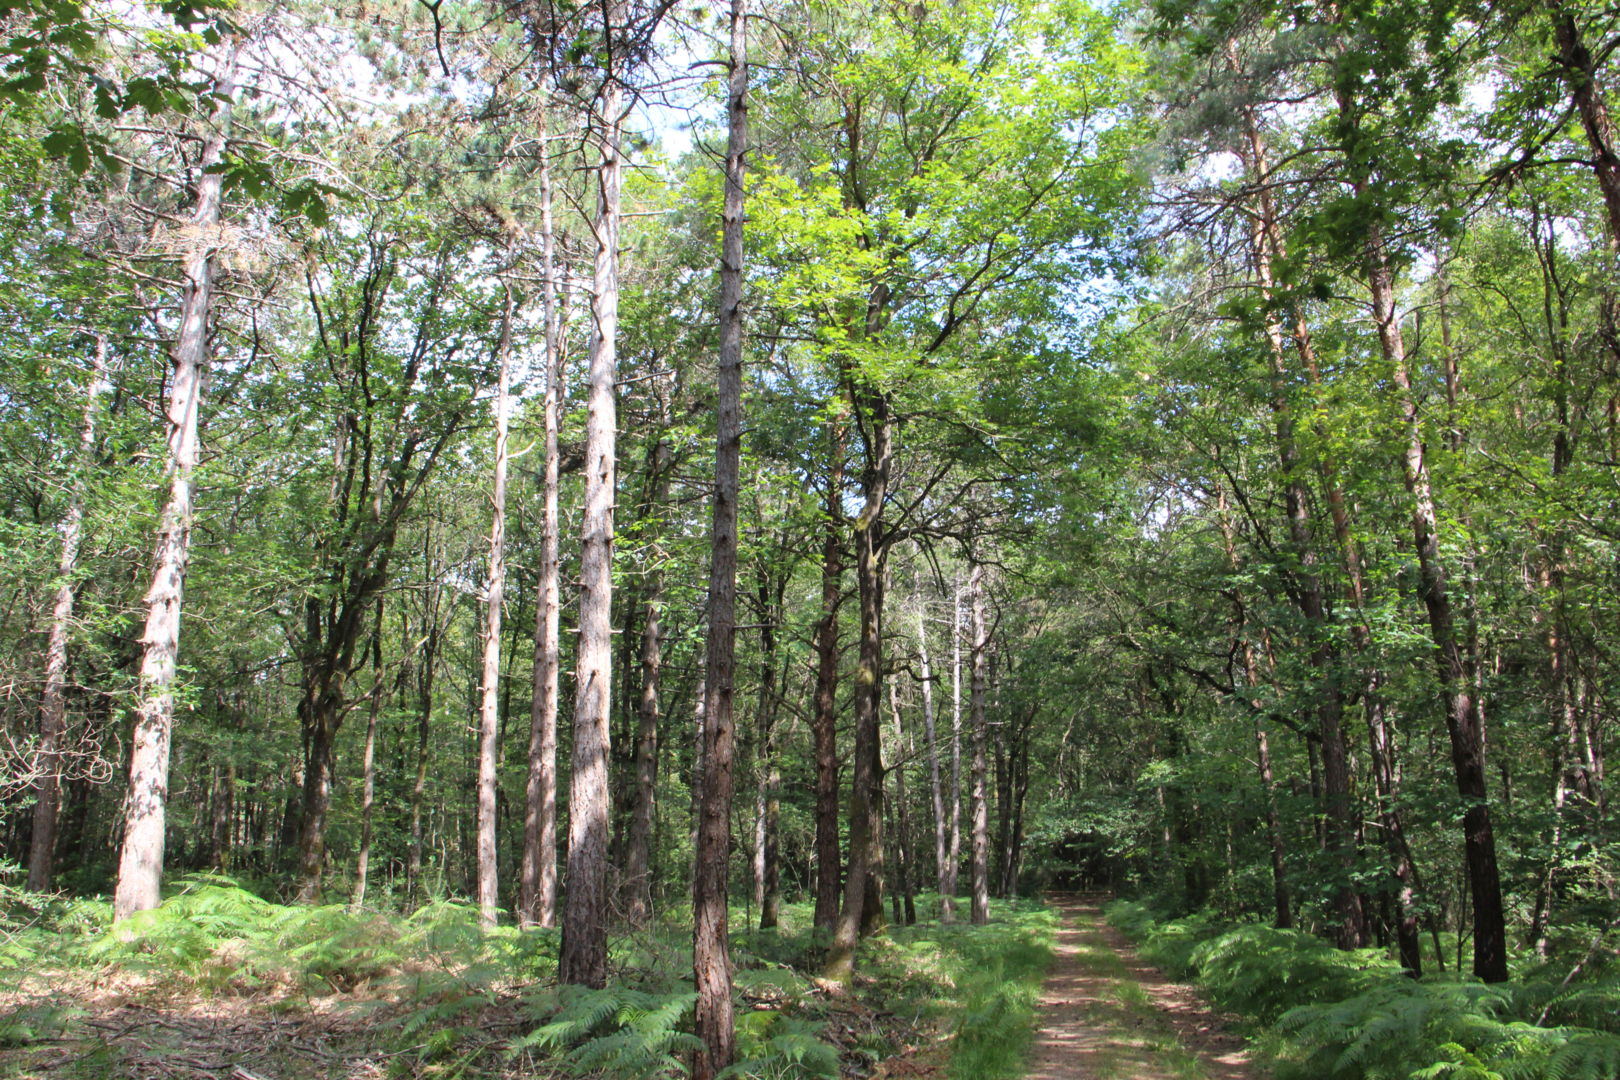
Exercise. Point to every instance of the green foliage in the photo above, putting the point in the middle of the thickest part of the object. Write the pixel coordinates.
(1402, 1028)
(1168, 945)
(616, 1031)
(1263, 972)
(983, 981)
(781, 1047)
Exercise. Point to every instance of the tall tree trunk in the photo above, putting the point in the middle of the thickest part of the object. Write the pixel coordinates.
(866, 787)
(1463, 718)
(953, 856)
(489, 711)
(140, 861)
(711, 946)
(53, 700)
(824, 720)
(537, 886)
(766, 869)
(427, 664)
(368, 769)
(979, 656)
(1341, 818)
(583, 959)
(638, 849)
(947, 903)
(902, 814)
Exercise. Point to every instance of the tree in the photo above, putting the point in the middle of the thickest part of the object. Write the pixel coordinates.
(140, 864)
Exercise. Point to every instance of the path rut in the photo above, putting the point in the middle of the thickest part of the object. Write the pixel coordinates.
(1106, 1015)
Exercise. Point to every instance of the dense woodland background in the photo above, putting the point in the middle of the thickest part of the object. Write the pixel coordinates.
(1180, 455)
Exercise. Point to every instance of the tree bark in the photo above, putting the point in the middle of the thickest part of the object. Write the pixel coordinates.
(824, 720)
(953, 855)
(1463, 718)
(711, 946)
(537, 886)
(638, 848)
(427, 663)
(140, 861)
(583, 959)
(902, 815)
(53, 699)
(766, 868)
(1580, 71)
(947, 903)
(980, 645)
(489, 712)
(866, 787)
(368, 770)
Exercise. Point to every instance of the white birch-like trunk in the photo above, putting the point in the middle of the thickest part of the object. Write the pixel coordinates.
(140, 861)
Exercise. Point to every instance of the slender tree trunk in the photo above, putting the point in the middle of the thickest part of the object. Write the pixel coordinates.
(1281, 900)
(953, 856)
(537, 888)
(427, 664)
(902, 815)
(711, 946)
(140, 861)
(767, 871)
(978, 662)
(824, 721)
(947, 903)
(638, 849)
(53, 701)
(583, 959)
(866, 788)
(489, 712)
(1463, 719)
(368, 770)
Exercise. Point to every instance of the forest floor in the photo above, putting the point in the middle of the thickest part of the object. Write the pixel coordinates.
(1106, 1015)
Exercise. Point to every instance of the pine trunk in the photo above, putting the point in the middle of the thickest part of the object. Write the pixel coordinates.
(140, 861)
(537, 886)
(583, 959)
(489, 712)
(711, 946)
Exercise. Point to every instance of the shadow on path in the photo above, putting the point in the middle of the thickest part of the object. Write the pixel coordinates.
(1105, 1015)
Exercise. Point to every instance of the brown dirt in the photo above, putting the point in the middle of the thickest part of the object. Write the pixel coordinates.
(1106, 1015)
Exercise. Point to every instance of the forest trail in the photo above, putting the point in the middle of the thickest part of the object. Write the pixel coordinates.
(1105, 1015)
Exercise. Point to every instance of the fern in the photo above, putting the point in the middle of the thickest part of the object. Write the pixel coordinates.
(623, 1033)
(770, 1044)
(1262, 972)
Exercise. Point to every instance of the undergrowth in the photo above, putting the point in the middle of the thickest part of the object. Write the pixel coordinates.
(436, 995)
(982, 982)
(1319, 1012)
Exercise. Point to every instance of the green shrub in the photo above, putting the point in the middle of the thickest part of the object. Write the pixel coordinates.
(1422, 1030)
(1261, 972)
(1170, 945)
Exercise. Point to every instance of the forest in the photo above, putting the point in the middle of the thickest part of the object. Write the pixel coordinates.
(646, 538)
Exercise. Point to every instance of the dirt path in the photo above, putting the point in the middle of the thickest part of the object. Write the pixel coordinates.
(1105, 1015)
